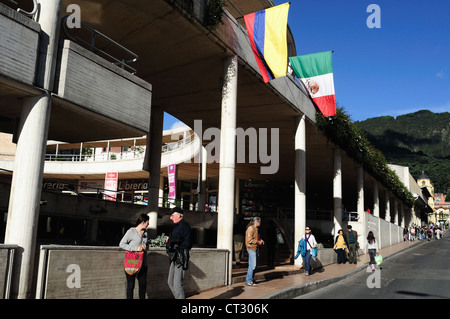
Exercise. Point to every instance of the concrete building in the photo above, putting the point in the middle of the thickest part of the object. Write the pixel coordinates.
(425, 183)
(183, 58)
(442, 209)
(421, 208)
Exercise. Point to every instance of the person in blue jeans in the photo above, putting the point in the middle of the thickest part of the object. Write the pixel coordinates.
(311, 242)
(252, 242)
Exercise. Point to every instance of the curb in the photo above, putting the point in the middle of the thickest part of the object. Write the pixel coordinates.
(291, 292)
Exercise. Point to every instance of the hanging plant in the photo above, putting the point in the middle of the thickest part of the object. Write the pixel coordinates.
(213, 15)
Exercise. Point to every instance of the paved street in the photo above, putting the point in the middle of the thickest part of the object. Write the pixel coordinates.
(420, 272)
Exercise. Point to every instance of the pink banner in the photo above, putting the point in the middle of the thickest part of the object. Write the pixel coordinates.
(111, 179)
(172, 180)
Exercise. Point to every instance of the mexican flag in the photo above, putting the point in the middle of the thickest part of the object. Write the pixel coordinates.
(316, 73)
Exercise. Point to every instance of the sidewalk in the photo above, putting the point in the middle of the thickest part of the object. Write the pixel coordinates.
(287, 281)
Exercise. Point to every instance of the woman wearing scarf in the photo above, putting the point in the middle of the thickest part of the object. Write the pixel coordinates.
(310, 241)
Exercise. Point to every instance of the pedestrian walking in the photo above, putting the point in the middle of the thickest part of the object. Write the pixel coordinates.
(253, 242)
(372, 248)
(353, 245)
(412, 232)
(341, 247)
(430, 233)
(135, 239)
(311, 242)
(438, 233)
(178, 245)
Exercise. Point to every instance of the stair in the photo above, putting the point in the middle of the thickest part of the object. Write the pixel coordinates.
(283, 266)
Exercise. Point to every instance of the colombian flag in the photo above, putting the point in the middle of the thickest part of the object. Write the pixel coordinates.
(267, 33)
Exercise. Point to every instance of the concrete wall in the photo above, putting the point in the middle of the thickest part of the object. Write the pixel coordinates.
(325, 256)
(19, 38)
(99, 272)
(89, 81)
(385, 232)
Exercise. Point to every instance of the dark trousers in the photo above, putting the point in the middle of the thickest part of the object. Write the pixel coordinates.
(372, 253)
(307, 260)
(141, 277)
(341, 256)
(352, 253)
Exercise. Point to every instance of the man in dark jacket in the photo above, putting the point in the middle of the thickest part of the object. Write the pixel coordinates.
(177, 247)
(353, 245)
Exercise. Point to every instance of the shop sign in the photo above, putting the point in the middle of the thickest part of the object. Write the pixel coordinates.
(133, 185)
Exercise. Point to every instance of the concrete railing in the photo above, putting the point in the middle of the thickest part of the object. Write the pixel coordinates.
(6, 268)
(19, 46)
(74, 272)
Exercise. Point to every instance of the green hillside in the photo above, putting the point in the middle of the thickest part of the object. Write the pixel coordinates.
(420, 140)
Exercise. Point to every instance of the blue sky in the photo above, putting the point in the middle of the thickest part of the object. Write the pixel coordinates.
(400, 68)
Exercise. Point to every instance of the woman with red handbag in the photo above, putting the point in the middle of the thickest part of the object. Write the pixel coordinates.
(135, 240)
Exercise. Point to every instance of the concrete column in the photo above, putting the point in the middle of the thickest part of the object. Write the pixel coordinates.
(23, 211)
(402, 215)
(300, 184)
(387, 216)
(26, 186)
(376, 200)
(395, 212)
(337, 190)
(49, 18)
(154, 166)
(227, 160)
(202, 179)
(201, 236)
(360, 187)
(360, 204)
(93, 229)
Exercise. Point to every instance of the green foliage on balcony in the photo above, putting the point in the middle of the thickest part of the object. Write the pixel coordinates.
(342, 132)
(213, 15)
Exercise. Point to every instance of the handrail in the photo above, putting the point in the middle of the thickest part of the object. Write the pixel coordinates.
(31, 13)
(165, 149)
(123, 63)
(173, 146)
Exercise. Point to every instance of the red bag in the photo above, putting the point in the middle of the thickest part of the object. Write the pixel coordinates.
(133, 261)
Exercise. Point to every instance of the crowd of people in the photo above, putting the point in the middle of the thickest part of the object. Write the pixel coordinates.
(415, 232)
(346, 246)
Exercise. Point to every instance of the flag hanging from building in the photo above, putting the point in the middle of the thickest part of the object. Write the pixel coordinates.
(267, 33)
(316, 73)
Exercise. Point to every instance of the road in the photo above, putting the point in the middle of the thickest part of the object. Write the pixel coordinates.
(419, 272)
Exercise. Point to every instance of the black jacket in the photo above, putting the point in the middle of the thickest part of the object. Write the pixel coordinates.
(179, 244)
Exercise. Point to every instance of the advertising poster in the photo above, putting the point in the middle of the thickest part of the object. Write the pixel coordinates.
(172, 182)
(111, 179)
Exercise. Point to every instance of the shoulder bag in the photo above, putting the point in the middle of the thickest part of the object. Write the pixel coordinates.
(133, 261)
